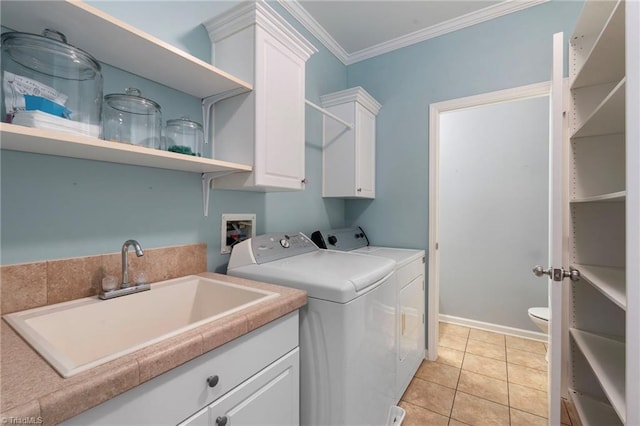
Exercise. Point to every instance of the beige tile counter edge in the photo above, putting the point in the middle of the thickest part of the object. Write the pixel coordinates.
(30, 387)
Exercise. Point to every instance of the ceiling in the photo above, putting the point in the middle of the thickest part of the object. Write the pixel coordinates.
(355, 30)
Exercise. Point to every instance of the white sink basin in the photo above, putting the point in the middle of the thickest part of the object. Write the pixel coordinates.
(81, 334)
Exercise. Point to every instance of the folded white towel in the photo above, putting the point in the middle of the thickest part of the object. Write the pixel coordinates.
(42, 120)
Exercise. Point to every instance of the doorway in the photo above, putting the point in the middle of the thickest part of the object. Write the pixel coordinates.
(488, 197)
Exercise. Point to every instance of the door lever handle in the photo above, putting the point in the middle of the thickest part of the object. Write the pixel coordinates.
(558, 274)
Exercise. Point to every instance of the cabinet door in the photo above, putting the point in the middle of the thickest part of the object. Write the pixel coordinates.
(279, 96)
(365, 153)
(271, 397)
(411, 331)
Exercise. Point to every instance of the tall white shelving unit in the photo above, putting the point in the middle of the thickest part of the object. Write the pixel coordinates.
(603, 326)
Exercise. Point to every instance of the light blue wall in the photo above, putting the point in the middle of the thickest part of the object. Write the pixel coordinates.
(53, 207)
(509, 51)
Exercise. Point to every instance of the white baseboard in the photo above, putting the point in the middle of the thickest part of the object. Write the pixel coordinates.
(518, 332)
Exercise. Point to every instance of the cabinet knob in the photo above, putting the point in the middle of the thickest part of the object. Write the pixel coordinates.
(222, 420)
(305, 181)
(359, 189)
(212, 380)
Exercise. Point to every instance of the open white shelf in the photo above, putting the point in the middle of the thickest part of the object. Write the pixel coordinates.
(607, 280)
(608, 117)
(592, 44)
(593, 412)
(606, 357)
(27, 139)
(121, 45)
(603, 198)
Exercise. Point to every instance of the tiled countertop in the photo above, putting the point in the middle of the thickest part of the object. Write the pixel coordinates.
(31, 388)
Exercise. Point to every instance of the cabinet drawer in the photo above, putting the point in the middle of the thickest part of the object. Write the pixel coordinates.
(172, 397)
(410, 271)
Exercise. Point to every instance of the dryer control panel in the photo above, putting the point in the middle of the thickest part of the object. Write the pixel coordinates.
(270, 247)
(344, 239)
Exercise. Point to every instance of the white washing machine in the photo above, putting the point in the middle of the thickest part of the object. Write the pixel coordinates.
(347, 328)
(410, 294)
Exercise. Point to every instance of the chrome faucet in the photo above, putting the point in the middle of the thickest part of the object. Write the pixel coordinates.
(126, 287)
(125, 260)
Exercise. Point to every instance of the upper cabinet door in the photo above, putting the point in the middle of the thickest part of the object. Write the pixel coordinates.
(279, 94)
(365, 153)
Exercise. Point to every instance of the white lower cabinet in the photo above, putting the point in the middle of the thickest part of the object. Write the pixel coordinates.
(257, 383)
(270, 397)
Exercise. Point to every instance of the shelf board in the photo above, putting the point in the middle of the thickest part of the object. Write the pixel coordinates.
(607, 360)
(603, 198)
(604, 63)
(610, 281)
(121, 45)
(593, 412)
(27, 139)
(608, 117)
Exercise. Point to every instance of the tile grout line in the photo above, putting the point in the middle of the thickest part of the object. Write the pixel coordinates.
(506, 366)
(455, 394)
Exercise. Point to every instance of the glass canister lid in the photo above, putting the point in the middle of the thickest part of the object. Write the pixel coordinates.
(184, 123)
(50, 54)
(132, 102)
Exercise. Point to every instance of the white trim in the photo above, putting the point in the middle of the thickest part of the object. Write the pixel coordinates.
(534, 90)
(317, 30)
(435, 109)
(473, 18)
(632, 26)
(496, 328)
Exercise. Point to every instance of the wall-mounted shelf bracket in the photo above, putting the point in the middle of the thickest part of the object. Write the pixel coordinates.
(207, 178)
(209, 102)
(329, 114)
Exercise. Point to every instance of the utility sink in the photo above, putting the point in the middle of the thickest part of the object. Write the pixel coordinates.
(81, 334)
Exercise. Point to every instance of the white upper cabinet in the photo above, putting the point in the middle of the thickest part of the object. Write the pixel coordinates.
(348, 165)
(263, 128)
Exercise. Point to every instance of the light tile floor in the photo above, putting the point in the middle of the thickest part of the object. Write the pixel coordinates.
(480, 378)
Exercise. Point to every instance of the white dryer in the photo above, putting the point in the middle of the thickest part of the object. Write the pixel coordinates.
(347, 328)
(410, 294)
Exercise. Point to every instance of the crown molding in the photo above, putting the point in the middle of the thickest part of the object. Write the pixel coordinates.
(246, 14)
(473, 18)
(354, 94)
(318, 31)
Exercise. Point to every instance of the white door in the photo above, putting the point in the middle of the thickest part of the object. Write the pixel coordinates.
(557, 197)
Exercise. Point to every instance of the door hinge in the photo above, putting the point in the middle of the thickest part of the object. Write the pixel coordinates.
(437, 246)
(423, 318)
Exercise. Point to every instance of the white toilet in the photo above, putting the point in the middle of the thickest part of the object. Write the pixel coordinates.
(540, 317)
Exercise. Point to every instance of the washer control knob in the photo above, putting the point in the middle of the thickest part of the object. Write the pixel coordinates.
(332, 240)
(284, 243)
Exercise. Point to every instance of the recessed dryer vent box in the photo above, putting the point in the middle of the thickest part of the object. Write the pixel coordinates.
(235, 228)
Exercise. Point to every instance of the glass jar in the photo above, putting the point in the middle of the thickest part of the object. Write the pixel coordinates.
(47, 83)
(184, 136)
(130, 118)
